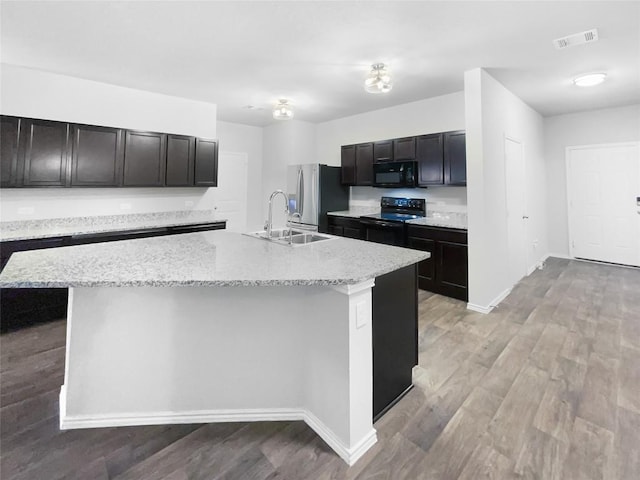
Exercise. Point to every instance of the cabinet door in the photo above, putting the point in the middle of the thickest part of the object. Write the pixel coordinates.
(364, 164)
(145, 155)
(180, 160)
(336, 230)
(352, 232)
(96, 158)
(206, 163)
(348, 164)
(455, 158)
(383, 151)
(429, 155)
(452, 270)
(44, 148)
(9, 129)
(426, 268)
(404, 148)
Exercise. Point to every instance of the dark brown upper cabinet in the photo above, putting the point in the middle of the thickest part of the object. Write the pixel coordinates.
(348, 164)
(97, 156)
(10, 134)
(180, 160)
(383, 151)
(206, 163)
(404, 148)
(45, 153)
(455, 158)
(364, 164)
(44, 147)
(145, 156)
(429, 155)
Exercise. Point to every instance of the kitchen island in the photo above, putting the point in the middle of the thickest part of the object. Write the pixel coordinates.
(217, 326)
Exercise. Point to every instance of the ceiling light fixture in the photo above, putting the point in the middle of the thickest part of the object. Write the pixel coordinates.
(378, 80)
(590, 79)
(282, 111)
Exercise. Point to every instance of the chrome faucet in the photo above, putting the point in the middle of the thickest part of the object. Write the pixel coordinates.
(290, 224)
(269, 224)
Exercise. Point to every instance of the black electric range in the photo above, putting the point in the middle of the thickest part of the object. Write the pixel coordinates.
(388, 226)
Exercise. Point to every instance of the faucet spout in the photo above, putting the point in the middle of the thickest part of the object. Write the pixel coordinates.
(269, 225)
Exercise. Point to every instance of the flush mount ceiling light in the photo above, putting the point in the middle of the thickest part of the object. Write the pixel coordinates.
(282, 111)
(590, 79)
(378, 80)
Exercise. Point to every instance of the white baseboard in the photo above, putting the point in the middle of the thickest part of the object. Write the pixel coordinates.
(349, 454)
(559, 255)
(494, 303)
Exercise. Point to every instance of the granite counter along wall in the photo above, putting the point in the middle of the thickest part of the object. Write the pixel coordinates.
(23, 307)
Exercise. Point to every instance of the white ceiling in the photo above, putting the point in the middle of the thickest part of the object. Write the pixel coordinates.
(317, 54)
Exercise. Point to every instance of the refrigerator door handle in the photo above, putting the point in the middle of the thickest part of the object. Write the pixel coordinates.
(300, 192)
(314, 196)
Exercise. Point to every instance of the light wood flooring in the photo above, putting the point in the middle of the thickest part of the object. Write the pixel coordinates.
(547, 386)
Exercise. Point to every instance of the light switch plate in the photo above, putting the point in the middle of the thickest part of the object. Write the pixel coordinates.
(361, 314)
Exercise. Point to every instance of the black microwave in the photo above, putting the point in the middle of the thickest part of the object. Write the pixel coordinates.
(395, 174)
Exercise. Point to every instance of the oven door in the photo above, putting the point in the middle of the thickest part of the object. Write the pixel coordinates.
(380, 231)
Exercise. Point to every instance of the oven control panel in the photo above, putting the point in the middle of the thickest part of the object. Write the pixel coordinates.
(404, 205)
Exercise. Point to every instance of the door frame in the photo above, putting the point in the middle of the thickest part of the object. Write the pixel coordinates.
(567, 163)
(525, 231)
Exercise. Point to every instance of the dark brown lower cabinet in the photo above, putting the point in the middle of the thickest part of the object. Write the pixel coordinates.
(446, 272)
(394, 301)
(21, 307)
(345, 227)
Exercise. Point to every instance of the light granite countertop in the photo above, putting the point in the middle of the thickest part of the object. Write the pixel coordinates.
(61, 227)
(443, 219)
(456, 220)
(213, 258)
(355, 212)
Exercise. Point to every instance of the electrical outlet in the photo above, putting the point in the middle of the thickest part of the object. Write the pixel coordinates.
(125, 206)
(361, 314)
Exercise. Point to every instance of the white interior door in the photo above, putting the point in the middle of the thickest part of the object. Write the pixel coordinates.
(515, 205)
(231, 193)
(603, 186)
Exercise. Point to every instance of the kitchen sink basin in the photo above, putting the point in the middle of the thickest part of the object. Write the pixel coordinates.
(305, 238)
(297, 237)
(276, 233)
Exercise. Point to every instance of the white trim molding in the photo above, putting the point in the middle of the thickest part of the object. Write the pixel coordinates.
(494, 303)
(349, 455)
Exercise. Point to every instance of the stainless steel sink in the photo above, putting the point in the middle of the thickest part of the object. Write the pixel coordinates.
(276, 233)
(305, 238)
(283, 237)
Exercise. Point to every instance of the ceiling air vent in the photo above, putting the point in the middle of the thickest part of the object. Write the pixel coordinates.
(576, 39)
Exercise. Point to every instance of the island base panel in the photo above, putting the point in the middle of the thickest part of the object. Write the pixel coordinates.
(161, 355)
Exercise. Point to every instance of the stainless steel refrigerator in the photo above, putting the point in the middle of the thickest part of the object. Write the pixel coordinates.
(314, 190)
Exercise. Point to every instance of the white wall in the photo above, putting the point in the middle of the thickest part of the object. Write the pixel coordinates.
(247, 139)
(609, 125)
(437, 114)
(33, 93)
(285, 143)
(492, 113)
